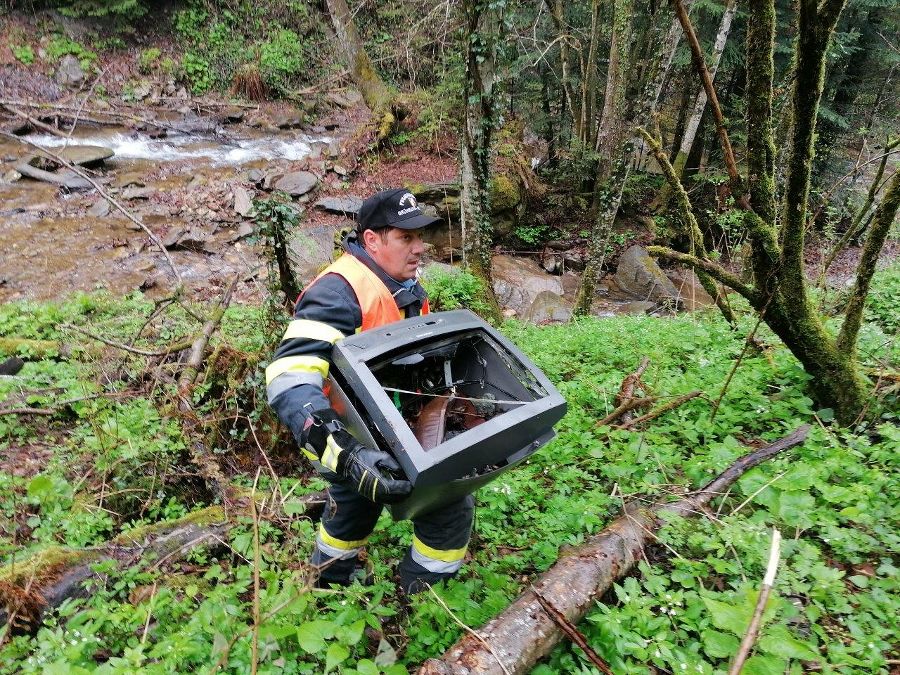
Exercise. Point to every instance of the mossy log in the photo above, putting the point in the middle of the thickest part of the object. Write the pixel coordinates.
(526, 632)
(32, 587)
(39, 349)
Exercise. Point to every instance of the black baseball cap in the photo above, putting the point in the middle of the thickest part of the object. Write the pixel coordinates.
(392, 208)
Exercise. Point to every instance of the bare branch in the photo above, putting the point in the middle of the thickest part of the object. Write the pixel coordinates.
(714, 270)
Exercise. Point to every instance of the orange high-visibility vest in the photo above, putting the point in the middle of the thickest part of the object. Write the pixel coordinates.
(375, 300)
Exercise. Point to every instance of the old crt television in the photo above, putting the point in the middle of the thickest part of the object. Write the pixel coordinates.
(452, 399)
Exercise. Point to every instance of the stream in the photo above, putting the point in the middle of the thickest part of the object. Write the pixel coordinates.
(54, 242)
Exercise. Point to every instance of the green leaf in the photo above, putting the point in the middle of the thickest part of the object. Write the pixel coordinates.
(860, 581)
(40, 487)
(294, 508)
(728, 617)
(764, 665)
(335, 655)
(719, 645)
(780, 642)
(312, 635)
(367, 667)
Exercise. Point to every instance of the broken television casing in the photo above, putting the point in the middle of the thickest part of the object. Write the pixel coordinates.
(455, 402)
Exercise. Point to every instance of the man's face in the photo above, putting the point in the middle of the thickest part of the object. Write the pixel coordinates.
(396, 251)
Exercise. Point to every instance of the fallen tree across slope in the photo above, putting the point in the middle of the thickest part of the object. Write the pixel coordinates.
(526, 632)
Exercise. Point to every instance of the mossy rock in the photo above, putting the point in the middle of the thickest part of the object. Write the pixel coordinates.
(506, 193)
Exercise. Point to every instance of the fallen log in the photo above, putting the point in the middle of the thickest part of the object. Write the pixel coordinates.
(34, 586)
(525, 632)
(38, 349)
(68, 180)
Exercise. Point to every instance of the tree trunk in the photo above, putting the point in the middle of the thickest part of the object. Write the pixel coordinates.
(525, 632)
(588, 88)
(373, 89)
(881, 226)
(690, 131)
(559, 20)
(482, 31)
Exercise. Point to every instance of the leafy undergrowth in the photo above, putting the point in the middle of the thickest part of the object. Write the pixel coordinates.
(114, 462)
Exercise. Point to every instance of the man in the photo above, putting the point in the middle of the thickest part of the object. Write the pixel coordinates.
(372, 284)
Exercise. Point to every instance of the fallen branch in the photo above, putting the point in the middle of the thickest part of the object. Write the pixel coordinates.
(177, 347)
(671, 405)
(524, 632)
(574, 635)
(191, 424)
(627, 407)
(39, 349)
(753, 629)
(36, 123)
(626, 391)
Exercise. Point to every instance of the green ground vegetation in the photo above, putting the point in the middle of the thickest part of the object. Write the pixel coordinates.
(104, 465)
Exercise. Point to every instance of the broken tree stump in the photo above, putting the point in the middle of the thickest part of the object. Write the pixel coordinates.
(525, 632)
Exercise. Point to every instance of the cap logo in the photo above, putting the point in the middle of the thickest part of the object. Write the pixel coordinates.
(408, 198)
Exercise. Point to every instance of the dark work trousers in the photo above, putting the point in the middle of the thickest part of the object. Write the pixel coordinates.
(440, 538)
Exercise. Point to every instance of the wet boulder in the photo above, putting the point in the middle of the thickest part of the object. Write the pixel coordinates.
(548, 307)
(345, 206)
(85, 155)
(311, 249)
(519, 281)
(296, 183)
(638, 277)
(69, 73)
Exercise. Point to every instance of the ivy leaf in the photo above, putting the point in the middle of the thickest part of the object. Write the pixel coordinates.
(335, 655)
(312, 635)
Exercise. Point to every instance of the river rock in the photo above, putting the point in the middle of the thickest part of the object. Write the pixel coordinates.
(11, 176)
(345, 99)
(548, 307)
(135, 192)
(346, 206)
(286, 118)
(69, 73)
(640, 278)
(518, 282)
(99, 209)
(310, 249)
(243, 202)
(638, 307)
(296, 183)
(85, 154)
(244, 230)
(693, 295)
(67, 179)
(256, 176)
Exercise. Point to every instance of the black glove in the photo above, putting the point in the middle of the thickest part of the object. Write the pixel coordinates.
(369, 471)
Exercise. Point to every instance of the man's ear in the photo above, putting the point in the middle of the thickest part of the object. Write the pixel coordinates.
(370, 240)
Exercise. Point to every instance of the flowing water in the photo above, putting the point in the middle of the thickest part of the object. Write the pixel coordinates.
(51, 244)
